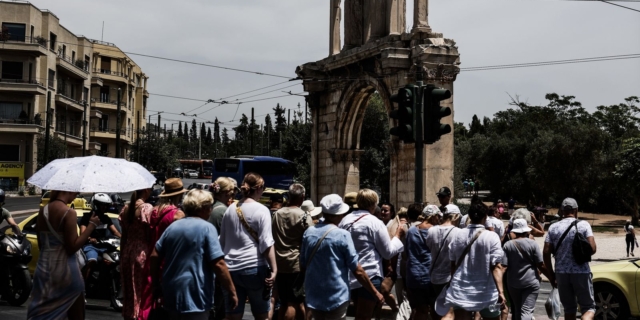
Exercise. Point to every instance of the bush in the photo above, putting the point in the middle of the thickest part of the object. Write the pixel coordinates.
(32, 190)
(21, 192)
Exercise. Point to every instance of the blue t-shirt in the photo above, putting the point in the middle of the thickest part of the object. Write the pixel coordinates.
(188, 246)
(418, 259)
(326, 280)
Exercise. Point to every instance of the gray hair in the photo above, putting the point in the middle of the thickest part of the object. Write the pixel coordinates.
(297, 191)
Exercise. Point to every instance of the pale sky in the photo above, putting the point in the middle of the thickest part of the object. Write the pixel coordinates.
(275, 36)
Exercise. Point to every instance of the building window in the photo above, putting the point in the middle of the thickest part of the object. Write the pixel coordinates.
(52, 41)
(103, 124)
(12, 70)
(105, 65)
(52, 77)
(16, 31)
(10, 153)
(104, 94)
(73, 57)
(11, 111)
(87, 61)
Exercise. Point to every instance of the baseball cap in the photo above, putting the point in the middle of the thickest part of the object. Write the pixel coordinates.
(444, 191)
(431, 210)
(520, 226)
(452, 209)
(332, 204)
(569, 204)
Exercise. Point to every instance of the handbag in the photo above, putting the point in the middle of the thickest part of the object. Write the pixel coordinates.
(80, 256)
(441, 299)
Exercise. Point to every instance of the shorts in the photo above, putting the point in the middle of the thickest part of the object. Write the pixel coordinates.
(576, 285)
(419, 297)
(362, 293)
(92, 252)
(484, 313)
(290, 287)
(249, 283)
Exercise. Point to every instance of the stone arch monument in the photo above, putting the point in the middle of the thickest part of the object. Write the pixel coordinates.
(378, 55)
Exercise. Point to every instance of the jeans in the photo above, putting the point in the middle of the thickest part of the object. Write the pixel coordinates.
(249, 283)
(92, 252)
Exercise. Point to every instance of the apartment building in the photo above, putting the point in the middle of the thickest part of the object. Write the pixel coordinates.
(44, 66)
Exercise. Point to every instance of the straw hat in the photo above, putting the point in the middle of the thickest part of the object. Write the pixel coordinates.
(172, 187)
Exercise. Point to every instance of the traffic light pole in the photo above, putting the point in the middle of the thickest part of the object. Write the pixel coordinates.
(419, 164)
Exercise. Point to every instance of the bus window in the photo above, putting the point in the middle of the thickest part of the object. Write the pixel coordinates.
(227, 166)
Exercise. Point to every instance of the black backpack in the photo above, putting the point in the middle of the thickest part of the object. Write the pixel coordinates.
(581, 247)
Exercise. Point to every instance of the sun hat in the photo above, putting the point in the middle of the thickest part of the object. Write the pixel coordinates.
(172, 187)
(569, 204)
(307, 206)
(333, 205)
(444, 191)
(520, 226)
(452, 209)
(431, 210)
(350, 199)
(521, 213)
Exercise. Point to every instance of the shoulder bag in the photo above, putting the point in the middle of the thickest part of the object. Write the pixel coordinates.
(80, 256)
(581, 248)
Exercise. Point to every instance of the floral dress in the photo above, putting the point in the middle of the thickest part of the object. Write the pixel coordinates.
(136, 278)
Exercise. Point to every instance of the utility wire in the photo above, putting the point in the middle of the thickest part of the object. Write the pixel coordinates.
(615, 4)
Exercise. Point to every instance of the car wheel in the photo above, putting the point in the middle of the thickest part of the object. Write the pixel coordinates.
(611, 303)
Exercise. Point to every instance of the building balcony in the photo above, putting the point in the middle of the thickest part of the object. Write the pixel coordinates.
(146, 93)
(26, 45)
(106, 104)
(72, 140)
(95, 146)
(76, 69)
(66, 101)
(95, 113)
(109, 133)
(22, 125)
(111, 75)
(96, 81)
(22, 86)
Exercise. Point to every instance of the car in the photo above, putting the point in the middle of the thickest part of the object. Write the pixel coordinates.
(615, 287)
(80, 202)
(191, 174)
(28, 227)
(201, 186)
(268, 192)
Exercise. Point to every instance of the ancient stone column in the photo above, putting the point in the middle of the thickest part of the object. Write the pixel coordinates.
(375, 14)
(420, 16)
(396, 16)
(353, 23)
(334, 27)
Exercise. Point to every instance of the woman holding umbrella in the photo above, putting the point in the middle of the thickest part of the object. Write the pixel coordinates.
(58, 285)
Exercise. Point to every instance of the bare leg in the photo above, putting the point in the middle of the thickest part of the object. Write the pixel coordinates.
(588, 315)
(76, 312)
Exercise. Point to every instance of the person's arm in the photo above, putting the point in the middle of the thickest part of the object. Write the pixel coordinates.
(178, 215)
(546, 254)
(537, 228)
(387, 248)
(115, 231)
(498, 272)
(270, 256)
(73, 242)
(222, 274)
(14, 226)
(364, 280)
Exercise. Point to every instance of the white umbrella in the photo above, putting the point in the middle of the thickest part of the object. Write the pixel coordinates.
(93, 174)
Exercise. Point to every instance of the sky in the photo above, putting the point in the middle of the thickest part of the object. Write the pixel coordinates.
(275, 36)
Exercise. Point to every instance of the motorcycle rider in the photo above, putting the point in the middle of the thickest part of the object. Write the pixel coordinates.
(6, 215)
(100, 204)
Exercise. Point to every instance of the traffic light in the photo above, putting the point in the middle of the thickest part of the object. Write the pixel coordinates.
(405, 114)
(433, 113)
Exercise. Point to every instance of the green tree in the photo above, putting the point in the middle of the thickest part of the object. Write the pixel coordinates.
(193, 133)
(180, 132)
(57, 150)
(216, 132)
(627, 172)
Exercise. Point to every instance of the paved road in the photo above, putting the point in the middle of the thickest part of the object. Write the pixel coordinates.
(21, 203)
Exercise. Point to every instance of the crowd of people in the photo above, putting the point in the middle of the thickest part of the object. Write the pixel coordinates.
(202, 254)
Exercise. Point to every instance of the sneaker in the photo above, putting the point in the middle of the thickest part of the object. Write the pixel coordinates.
(632, 254)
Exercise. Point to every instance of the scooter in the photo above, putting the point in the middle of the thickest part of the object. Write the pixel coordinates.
(15, 280)
(104, 280)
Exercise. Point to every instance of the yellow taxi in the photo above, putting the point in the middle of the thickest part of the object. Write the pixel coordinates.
(28, 227)
(78, 203)
(269, 192)
(616, 288)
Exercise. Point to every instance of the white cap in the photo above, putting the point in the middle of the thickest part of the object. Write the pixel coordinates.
(332, 204)
(431, 210)
(308, 206)
(452, 209)
(520, 226)
(569, 204)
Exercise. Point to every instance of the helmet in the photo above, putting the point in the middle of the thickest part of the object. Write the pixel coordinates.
(98, 199)
(1, 196)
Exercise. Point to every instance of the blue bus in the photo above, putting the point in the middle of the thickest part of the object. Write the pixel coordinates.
(277, 173)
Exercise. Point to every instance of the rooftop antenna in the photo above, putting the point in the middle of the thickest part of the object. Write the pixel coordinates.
(102, 36)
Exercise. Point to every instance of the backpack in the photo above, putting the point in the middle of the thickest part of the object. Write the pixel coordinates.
(580, 247)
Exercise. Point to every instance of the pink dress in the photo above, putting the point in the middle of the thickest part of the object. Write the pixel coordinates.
(134, 262)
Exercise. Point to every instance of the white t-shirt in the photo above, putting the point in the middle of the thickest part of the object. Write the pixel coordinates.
(496, 224)
(564, 252)
(371, 240)
(240, 248)
(472, 286)
(440, 270)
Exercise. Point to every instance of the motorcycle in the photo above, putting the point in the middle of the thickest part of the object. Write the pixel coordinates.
(104, 280)
(15, 280)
